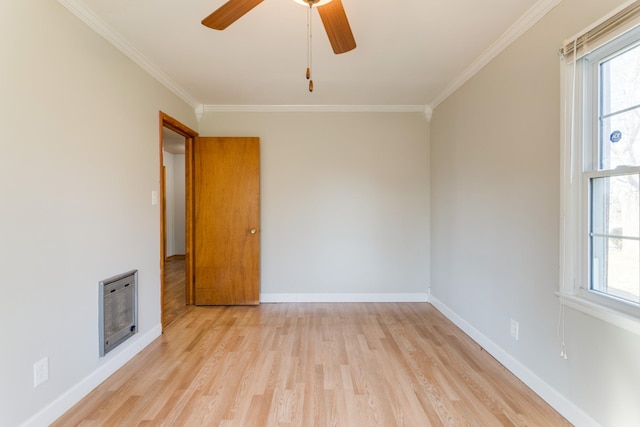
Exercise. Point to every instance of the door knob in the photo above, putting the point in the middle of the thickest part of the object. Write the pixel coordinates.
(253, 231)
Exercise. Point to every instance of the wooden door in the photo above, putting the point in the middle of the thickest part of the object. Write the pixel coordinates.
(227, 221)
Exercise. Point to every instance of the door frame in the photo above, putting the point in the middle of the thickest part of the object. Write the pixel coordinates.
(189, 134)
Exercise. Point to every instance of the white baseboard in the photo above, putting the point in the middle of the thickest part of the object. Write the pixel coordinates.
(571, 412)
(404, 297)
(72, 396)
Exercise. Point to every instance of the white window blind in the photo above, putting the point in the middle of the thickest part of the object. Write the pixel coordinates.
(615, 24)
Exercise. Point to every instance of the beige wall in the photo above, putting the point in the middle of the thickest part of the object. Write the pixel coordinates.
(495, 170)
(344, 200)
(79, 159)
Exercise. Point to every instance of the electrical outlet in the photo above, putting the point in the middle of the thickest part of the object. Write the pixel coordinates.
(515, 329)
(40, 371)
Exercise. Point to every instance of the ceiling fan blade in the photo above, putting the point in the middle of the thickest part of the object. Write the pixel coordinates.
(229, 13)
(337, 26)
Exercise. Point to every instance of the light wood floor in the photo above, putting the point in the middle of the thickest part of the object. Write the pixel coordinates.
(174, 299)
(313, 365)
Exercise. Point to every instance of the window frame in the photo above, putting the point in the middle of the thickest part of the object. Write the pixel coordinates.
(579, 164)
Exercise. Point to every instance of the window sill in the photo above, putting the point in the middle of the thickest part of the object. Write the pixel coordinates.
(614, 317)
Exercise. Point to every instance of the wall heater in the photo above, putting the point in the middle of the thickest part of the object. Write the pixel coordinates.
(118, 310)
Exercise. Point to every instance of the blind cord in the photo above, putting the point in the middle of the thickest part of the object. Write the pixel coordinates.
(572, 142)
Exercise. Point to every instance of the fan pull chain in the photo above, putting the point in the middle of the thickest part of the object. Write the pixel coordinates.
(309, 32)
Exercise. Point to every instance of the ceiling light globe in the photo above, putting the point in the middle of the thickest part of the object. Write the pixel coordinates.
(312, 3)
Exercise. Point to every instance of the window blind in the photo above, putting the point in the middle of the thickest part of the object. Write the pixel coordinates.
(615, 24)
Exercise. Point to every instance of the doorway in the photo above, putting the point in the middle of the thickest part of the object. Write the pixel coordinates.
(222, 215)
(174, 206)
(176, 141)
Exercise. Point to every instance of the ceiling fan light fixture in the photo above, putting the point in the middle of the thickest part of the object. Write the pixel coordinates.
(333, 17)
(312, 3)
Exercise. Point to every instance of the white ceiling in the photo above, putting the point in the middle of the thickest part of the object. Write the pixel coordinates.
(409, 52)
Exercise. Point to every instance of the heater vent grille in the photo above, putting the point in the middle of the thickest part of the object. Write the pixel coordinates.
(118, 310)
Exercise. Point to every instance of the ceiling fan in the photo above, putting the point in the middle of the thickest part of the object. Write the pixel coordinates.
(331, 12)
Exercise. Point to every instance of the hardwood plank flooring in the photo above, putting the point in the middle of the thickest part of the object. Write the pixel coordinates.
(174, 299)
(352, 364)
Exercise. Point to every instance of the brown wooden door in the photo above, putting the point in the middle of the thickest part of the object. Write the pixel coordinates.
(227, 221)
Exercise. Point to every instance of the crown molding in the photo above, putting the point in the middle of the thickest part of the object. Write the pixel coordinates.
(428, 113)
(526, 21)
(85, 14)
(200, 110)
(314, 108)
(88, 16)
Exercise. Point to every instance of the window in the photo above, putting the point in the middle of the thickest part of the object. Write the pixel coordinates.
(612, 163)
(601, 168)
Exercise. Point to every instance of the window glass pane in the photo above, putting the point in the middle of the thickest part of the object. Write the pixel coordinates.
(615, 236)
(614, 205)
(619, 79)
(619, 110)
(616, 267)
(620, 140)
